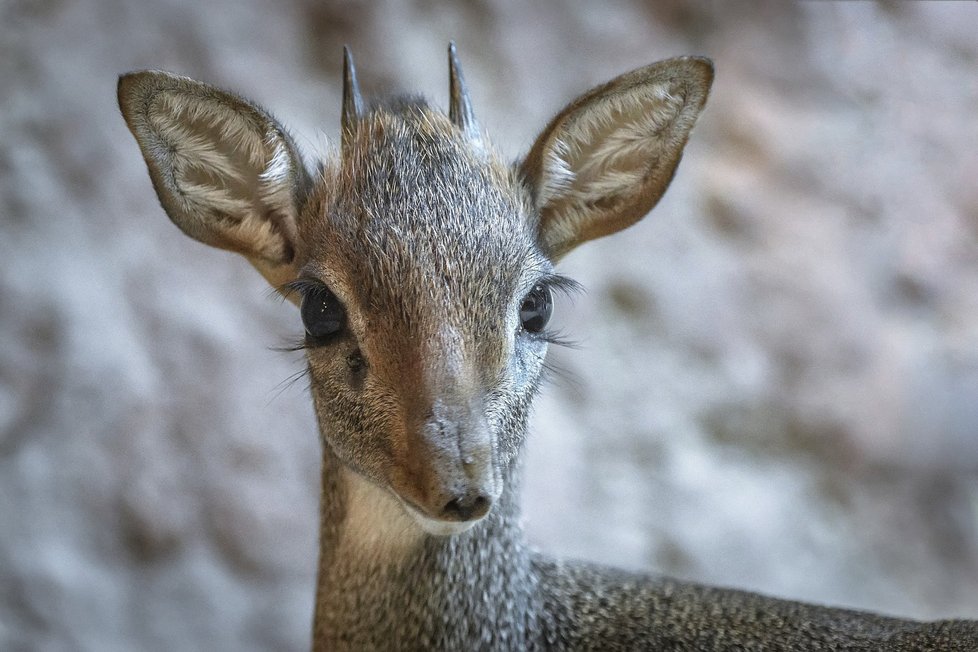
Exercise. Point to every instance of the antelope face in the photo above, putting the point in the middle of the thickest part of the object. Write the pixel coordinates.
(425, 299)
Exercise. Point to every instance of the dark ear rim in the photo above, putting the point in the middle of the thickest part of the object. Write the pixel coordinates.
(135, 91)
(680, 70)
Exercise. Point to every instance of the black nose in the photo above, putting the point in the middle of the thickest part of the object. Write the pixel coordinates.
(466, 508)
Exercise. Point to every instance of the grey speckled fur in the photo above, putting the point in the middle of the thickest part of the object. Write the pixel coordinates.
(430, 244)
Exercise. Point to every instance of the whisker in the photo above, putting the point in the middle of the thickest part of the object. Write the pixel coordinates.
(291, 346)
(288, 383)
(556, 375)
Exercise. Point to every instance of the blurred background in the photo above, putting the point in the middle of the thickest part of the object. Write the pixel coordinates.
(776, 385)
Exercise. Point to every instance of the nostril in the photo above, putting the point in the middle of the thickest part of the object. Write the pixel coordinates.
(466, 508)
(479, 507)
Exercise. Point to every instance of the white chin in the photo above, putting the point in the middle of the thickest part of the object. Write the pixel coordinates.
(436, 527)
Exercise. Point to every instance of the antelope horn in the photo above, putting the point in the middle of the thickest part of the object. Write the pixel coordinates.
(460, 107)
(352, 101)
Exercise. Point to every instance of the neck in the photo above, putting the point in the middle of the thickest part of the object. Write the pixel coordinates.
(382, 578)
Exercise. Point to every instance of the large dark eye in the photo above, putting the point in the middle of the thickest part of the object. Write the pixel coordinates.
(322, 312)
(536, 309)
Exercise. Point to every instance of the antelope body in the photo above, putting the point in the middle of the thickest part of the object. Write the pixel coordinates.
(423, 266)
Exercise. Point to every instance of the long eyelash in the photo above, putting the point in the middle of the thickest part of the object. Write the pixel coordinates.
(563, 284)
(279, 293)
(569, 288)
(557, 338)
(299, 285)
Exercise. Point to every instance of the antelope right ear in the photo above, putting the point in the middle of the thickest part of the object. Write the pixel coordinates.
(607, 158)
(225, 172)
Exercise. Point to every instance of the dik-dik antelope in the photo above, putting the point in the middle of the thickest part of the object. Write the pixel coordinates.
(423, 266)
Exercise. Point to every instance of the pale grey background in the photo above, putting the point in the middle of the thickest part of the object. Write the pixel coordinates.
(777, 386)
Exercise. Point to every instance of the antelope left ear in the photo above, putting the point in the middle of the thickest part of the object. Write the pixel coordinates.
(607, 158)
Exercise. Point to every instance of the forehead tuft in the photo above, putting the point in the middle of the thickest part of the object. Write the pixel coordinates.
(418, 219)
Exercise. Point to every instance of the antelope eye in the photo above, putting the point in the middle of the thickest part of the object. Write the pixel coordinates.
(536, 309)
(322, 313)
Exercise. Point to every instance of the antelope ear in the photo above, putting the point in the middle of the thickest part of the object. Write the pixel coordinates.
(607, 158)
(225, 172)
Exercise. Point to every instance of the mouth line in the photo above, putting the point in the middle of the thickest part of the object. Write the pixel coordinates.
(435, 526)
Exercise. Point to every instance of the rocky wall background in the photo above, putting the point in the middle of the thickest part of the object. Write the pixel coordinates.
(777, 380)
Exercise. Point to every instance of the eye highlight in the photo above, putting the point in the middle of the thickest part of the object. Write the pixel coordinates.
(536, 309)
(322, 313)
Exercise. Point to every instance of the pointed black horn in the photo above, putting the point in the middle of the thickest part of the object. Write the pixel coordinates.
(460, 107)
(352, 102)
